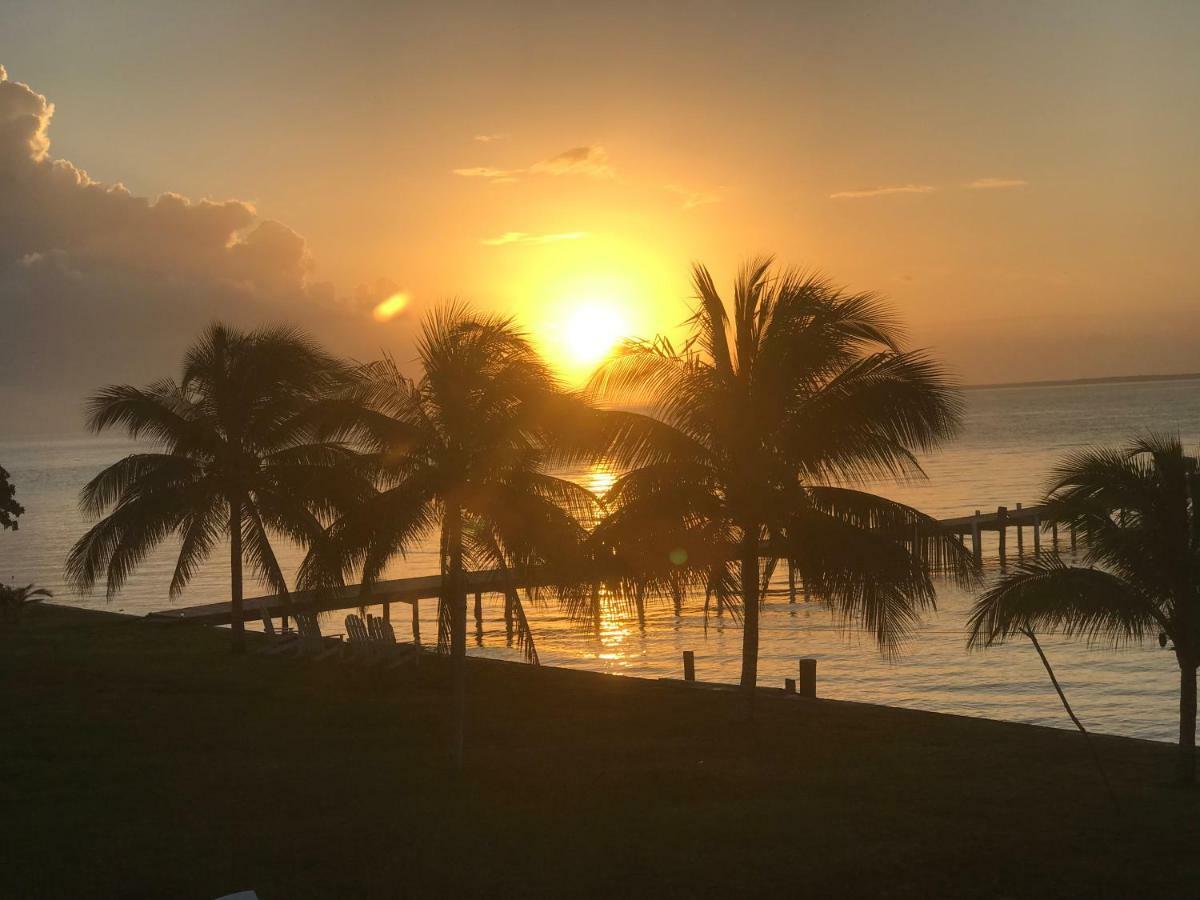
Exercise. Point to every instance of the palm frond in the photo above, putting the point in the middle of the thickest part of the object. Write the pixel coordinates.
(1047, 595)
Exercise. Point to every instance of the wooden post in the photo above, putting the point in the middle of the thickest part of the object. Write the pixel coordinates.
(416, 622)
(808, 678)
(479, 618)
(976, 540)
(789, 685)
(1037, 534)
(509, 609)
(689, 665)
(1054, 535)
(387, 611)
(1072, 537)
(1002, 531)
(1020, 533)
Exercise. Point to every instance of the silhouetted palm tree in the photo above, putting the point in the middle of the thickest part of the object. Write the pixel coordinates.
(754, 429)
(1136, 508)
(236, 459)
(464, 452)
(14, 600)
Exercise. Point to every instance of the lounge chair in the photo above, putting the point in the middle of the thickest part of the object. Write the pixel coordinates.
(359, 638)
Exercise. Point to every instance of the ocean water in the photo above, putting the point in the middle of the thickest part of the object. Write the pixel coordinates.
(1012, 437)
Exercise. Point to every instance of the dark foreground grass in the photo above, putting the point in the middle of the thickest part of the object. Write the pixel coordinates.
(141, 760)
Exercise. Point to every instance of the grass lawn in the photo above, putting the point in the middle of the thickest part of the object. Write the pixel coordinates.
(142, 760)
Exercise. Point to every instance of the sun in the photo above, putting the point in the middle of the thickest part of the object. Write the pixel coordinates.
(590, 330)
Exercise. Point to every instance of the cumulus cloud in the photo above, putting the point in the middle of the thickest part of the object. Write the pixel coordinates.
(991, 184)
(522, 237)
(693, 198)
(590, 161)
(884, 191)
(53, 210)
(98, 284)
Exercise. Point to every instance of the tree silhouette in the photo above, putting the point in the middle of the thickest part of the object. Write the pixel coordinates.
(1137, 510)
(235, 460)
(752, 436)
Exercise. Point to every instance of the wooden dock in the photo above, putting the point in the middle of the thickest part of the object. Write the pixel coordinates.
(428, 587)
(1000, 521)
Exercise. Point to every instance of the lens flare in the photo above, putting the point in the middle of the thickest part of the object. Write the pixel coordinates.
(388, 309)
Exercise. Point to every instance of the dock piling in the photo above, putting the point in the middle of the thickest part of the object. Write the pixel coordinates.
(416, 622)
(808, 677)
(789, 685)
(1002, 532)
(976, 539)
(1020, 533)
(689, 665)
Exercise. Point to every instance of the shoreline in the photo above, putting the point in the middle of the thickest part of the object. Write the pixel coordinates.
(666, 681)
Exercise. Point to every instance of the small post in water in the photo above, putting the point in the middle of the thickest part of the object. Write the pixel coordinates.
(416, 622)
(1002, 531)
(789, 685)
(976, 540)
(808, 678)
(689, 665)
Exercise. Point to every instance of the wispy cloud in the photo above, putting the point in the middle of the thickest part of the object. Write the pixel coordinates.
(591, 161)
(524, 237)
(991, 184)
(884, 191)
(490, 138)
(694, 198)
(491, 174)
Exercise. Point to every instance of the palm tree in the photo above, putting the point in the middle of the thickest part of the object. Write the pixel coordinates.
(14, 600)
(753, 435)
(1137, 510)
(234, 458)
(463, 452)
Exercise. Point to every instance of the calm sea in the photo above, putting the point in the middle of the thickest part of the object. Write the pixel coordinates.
(1011, 439)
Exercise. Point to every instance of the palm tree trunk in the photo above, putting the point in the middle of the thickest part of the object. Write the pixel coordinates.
(456, 596)
(237, 628)
(1186, 762)
(749, 562)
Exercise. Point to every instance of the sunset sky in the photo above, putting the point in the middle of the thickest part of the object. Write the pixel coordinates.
(1021, 180)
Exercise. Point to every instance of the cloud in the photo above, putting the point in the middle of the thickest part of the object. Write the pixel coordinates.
(884, 191)
(490, 138)
(493, 175)
(693, 198)
(522, 237)
(986, 184)
(590, 161)
(98, 284)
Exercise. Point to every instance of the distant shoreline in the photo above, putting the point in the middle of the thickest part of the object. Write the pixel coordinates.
(1062, 382)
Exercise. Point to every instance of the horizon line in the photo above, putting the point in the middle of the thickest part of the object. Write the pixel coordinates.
(1099, 379)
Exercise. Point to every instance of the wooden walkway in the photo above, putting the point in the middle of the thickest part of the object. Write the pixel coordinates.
(427, 587)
